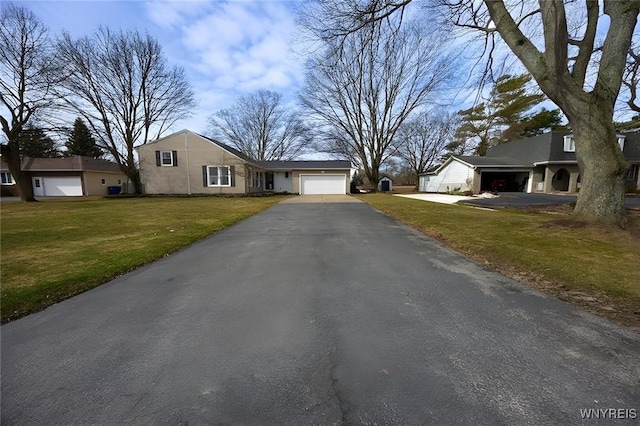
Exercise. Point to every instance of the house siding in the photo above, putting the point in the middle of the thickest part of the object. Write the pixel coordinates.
(453, 176)
(193, 152)
(92, 182)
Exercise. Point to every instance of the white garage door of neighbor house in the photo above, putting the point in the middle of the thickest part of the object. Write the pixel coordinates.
(322, 184)
(62, 186)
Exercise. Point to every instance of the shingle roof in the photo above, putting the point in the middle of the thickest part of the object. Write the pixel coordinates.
(632, 146)
(493, 161)
(540, 148)
(231, 149)
(289, 165)
(66, 164)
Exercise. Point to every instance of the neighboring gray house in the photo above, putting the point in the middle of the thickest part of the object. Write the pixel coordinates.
(188, 163)
(544, 163)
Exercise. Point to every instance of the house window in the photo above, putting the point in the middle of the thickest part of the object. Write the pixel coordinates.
(218, 176)
(286, 175)
(103, 181)
(569, 144)
(258, 180)
(166, 158)
(632, 174)
(119, 181)
(7, 179)
(621, 141)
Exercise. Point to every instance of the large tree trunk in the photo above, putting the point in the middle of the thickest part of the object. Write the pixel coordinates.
(12, 156)
(602, 169)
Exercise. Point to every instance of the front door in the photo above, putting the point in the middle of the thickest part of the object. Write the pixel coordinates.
(38, 187)
(268, 181)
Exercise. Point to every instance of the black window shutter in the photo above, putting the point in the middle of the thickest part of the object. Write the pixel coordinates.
(175, 158)
(157, 158)
(232, 173)
(204, 176)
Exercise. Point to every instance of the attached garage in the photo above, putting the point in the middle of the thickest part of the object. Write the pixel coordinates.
(321, 184)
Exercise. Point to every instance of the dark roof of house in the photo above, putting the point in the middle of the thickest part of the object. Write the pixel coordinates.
(492, 161)
(632, 146)
(548, 147)
(289, 165)
(68, 164)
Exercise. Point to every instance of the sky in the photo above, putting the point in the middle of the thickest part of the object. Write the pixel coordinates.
(227, 48)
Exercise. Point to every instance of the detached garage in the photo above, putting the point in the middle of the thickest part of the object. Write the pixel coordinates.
(73, 176)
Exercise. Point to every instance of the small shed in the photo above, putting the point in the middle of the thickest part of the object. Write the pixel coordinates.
(385, 184)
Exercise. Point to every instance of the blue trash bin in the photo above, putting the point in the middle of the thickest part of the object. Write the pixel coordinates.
(113, 190)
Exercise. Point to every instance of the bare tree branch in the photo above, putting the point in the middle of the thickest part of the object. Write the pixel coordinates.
(27, 76)
(121, 84)
(261, 127)
(363, 90)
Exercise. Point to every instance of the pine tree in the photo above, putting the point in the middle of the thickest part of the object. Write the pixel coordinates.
(35, 143)
(505, 117)
(82, 142)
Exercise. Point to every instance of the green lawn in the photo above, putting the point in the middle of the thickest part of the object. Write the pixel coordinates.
(55, 249)
(546, 248)
(52, 250)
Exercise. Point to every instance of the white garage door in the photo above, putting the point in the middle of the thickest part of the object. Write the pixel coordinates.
(62, 186)
(322, 184)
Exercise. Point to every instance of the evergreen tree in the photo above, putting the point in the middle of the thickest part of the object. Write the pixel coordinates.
(505, 117)
(82, 142)
(35, 143)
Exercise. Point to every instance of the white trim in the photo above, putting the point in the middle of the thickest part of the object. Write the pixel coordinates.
(171, 159)
(8, 179)
(218, 176)
(344, 184)
(569, 143)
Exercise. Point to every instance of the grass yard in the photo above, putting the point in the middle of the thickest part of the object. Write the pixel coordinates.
(52, 250)
(598, 268)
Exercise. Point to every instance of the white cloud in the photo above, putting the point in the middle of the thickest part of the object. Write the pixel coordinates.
(234, 47)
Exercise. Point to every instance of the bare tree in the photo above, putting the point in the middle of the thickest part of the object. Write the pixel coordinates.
(362, 87)
(122, 85)
(424, 139)
(579, 74)
(27, 75)
(261, 127)
(631, 78)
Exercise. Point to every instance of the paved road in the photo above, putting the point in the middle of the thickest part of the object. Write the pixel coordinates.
(315, 313)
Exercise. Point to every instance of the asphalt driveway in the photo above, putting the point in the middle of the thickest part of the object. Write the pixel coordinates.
(523, 199)
(315, 313)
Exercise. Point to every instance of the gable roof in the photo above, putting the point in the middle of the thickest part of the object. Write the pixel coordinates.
(309, 165)
(231, 149)
(272, 165)
(76, 163)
